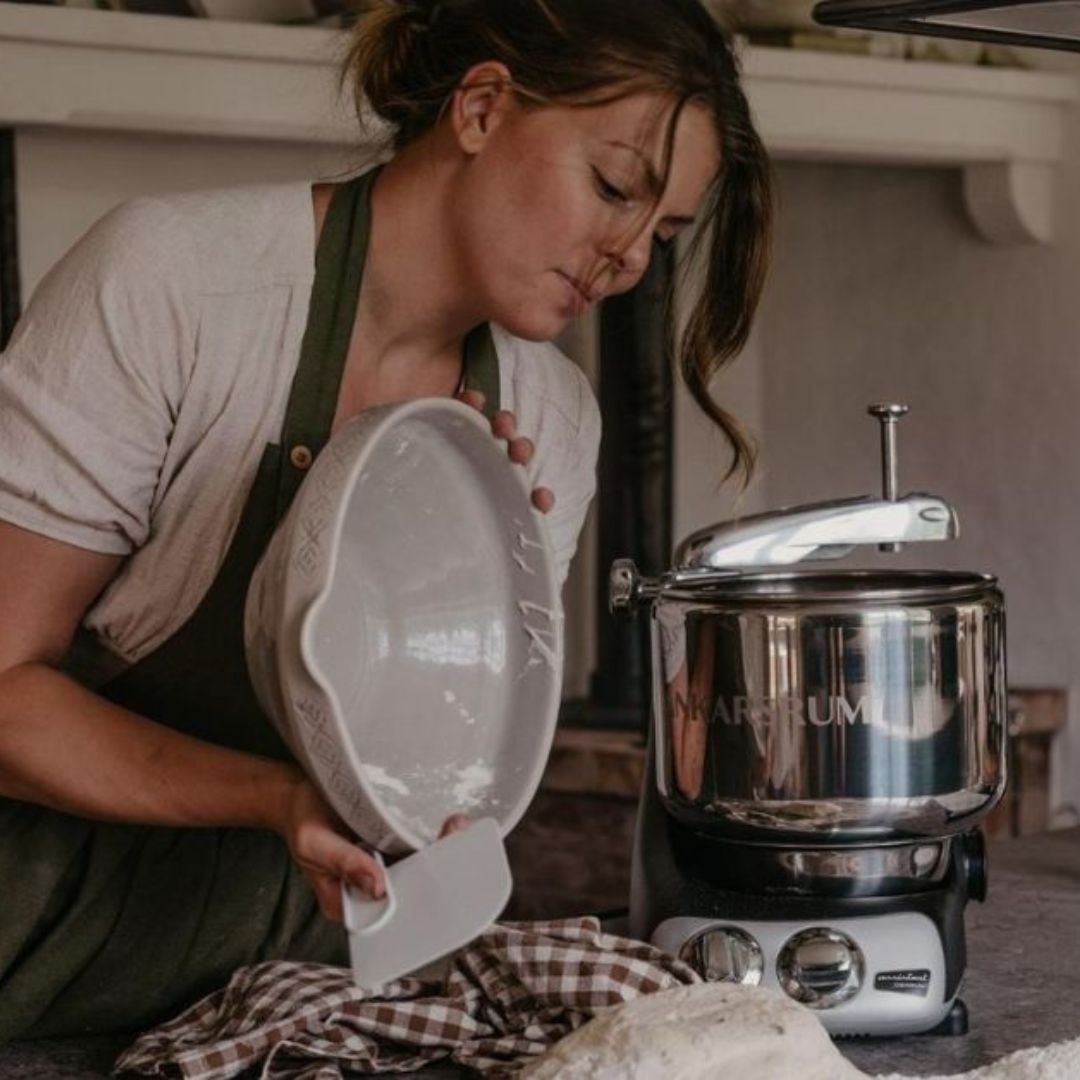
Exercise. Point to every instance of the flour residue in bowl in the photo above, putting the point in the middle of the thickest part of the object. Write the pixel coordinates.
(473, 782)
(421, 799)
(452, 699)
(378, 776)
(418, 826)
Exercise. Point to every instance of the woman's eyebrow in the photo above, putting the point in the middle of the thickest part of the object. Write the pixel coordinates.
(651, 175)
(652, 178)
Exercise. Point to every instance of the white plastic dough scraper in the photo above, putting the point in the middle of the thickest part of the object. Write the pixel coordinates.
(437, 900)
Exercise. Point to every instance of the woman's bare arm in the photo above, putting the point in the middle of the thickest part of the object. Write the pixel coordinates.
(66, 747)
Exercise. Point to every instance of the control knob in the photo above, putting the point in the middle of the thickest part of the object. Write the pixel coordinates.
(820, 967)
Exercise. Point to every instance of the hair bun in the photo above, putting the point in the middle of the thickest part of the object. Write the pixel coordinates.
(383, 57)
(422, 13)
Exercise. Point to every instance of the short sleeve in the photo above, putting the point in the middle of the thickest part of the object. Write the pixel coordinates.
(571, 475)
(91, 382)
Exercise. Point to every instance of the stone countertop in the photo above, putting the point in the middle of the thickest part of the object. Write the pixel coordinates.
(1023, 971)
(1021, 984)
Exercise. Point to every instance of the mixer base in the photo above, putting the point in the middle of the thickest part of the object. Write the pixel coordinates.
(869, 975)
(955, 1022)
(870, 960)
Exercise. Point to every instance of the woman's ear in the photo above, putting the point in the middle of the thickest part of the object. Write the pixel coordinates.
(479, 103)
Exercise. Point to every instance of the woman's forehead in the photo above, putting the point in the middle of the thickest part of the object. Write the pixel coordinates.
(640, 118)
(639, 125)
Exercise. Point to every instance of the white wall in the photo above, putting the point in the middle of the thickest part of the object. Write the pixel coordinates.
(881, 290)
(66, 179)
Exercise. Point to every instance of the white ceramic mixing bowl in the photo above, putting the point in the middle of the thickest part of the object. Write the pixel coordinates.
(403, 629)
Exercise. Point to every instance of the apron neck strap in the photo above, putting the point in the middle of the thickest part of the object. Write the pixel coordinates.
(482, 367)
(339, 264)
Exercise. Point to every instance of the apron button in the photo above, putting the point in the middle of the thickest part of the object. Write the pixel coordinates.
(301, 457)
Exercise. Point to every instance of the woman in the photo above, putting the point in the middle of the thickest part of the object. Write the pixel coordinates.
(174, 376)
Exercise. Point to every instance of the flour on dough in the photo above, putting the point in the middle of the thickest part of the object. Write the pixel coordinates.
(1058, 1061)
(713, 1030)
(698, 1032)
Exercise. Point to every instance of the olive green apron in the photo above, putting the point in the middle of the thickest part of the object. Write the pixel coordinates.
(109, 927)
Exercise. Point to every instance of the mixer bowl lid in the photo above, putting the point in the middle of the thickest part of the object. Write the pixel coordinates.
(836, 587)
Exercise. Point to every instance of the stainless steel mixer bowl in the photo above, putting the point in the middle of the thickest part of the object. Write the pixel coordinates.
(822, 708)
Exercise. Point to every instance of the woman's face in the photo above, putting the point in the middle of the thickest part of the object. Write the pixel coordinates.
(560, 207)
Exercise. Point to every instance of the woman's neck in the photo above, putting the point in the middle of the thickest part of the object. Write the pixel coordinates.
(415, 304)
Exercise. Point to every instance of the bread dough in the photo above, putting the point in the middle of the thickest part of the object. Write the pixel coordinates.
(1058, 1061)
(698, 1032)
(713, 1030)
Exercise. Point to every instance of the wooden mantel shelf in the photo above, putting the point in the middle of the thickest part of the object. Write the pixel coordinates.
(160, 74)
(120, 71)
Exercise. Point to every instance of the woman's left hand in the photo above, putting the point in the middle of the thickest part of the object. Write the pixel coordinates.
(519, 449)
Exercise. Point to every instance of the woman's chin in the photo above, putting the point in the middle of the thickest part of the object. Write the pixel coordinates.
(534, 326)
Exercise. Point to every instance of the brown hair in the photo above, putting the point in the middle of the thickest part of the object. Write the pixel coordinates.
(407, 57)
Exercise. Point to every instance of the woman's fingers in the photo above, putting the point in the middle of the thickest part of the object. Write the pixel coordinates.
(351, 863)
(326, 852)
(328, 894)
(519, 448)
(474, 398)
(363, 874)
(504, 425)
(322, 844)
(454, 823)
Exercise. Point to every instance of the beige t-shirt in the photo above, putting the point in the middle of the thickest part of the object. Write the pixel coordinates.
(153, 365)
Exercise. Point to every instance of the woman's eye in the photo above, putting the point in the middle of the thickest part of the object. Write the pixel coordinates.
(608, 191)
(664, 243)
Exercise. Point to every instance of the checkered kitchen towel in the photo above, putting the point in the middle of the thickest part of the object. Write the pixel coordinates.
(510, 995)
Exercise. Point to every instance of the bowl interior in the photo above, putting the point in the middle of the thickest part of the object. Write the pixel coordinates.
(438, 637)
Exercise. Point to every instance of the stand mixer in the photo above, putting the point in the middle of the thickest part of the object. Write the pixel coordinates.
(823, 745)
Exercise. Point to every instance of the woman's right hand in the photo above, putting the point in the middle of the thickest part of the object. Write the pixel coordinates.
(324, 848)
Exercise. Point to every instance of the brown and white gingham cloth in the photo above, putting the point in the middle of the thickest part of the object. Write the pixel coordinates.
(510, 995)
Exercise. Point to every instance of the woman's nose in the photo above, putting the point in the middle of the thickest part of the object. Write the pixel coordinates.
(630, 256)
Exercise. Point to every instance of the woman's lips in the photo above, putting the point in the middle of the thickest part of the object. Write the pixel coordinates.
(579, 295)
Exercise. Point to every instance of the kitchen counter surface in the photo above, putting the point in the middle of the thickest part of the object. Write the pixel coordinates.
(1021, 984)
(1023, 969)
